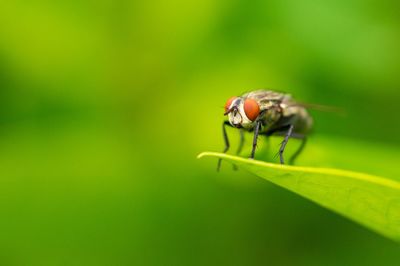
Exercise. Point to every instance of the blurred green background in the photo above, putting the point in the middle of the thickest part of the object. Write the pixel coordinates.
(105, 105)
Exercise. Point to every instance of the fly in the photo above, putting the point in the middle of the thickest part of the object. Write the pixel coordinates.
(267, 112)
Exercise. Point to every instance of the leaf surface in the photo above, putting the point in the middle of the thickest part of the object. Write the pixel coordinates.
(370, 200)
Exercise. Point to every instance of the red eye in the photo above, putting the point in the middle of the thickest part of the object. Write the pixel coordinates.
(251, 109)
(229, 102)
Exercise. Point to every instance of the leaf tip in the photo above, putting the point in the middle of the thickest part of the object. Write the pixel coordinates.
(204, 154)
(201, 155)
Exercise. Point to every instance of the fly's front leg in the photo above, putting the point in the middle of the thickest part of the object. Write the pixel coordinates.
(226, 140)
(256, 133)
(284, 142)
(240, 147)
(241, 142)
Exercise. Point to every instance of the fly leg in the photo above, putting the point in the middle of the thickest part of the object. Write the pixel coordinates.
(300, 149)
(284, 142)
(256, 133)
(294, 135)
(241, 142)
(226, 140)
(240, 148)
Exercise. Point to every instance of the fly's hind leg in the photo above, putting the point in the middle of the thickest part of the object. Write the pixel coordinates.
(284, 142)
(300, 149)
(290, 134)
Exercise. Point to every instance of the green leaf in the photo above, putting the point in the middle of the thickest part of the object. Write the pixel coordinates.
(370, 200)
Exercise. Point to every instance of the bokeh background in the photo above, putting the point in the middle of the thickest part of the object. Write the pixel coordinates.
(104, 106)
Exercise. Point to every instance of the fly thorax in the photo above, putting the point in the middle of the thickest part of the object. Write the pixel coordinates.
(272, 115)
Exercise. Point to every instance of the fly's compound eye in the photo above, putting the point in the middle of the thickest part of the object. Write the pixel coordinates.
(251, 109)
(229, 102)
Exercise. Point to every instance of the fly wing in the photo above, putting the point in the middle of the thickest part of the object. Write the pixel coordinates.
(265, 95)
(320, 107)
